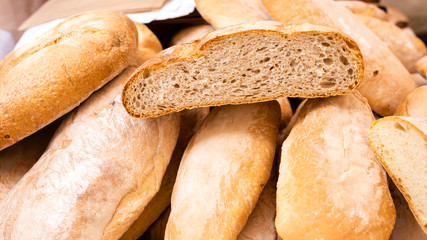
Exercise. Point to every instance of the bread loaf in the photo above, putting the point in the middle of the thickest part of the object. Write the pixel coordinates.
(53, 74)
(191, 33)
(364, 9)
(100, 170)
(223, 171)
(407, 47)
(331, 186)
(224, 13)
(190, 122)
(148, 45)
(386, 81)
(401, 145)
(415, 104)
(222, 68)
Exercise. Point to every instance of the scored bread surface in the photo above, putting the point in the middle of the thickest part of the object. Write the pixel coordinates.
(245, 63)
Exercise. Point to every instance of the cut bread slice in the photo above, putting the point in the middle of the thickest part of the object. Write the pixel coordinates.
(246, 63)
(401, 145)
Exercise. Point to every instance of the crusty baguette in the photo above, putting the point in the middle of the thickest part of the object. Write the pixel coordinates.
(16, 160)
(227, 67)
(406, 226)
(386, 81)
(331, 186)
(100, 170)
(401, 145)
(407, 47)
(223, 171)
(364, 9)
(53, 74)
(191, 33)
(421, 66)
(260, 224)
(415, 105)
(224, 13)
(148, 45)
(190, 122)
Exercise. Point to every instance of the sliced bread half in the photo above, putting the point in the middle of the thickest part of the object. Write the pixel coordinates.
(401, 145)
(246, 63)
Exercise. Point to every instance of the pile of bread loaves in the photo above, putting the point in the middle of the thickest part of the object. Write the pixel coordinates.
(198, 141)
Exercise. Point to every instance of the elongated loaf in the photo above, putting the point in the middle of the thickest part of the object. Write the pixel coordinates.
(222, 68)
(190, 122)
(401, 145)
(148, 45)
(407, 47)
(364, 9)
(100, 170)
(331, 186)
(415, 105)
(386, 81)
(16, 160)
(224, 13)
(56, 72)
(223, 171)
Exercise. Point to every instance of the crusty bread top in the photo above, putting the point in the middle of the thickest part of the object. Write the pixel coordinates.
(415, 105)
(148, 45)
(245, 63)
(53, 74)
(191, 33)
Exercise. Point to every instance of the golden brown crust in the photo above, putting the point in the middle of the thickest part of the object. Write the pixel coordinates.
(421, 66)
(415, 104)
(386, 81)
(364, 9)
(328, 175)
(192, 50)
(50, 76)
(223, 171)
(191, 33)
(148, 45)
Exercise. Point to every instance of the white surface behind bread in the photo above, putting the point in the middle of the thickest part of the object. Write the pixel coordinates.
(100, 170)
(331, 185)
(401, 145)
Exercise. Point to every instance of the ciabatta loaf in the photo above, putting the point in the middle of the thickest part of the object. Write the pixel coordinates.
(245, 63)
(386, 81)
(415, 105)
(223, 172)
(53, 74)
(100, 170)
(401, 145)
(331, 185)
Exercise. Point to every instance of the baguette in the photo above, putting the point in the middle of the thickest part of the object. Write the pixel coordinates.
(386, 81)
(190, 122)
(191, 33)
(100, 170)
(148, 45)
(415, 104)
(56, 72)
(331, 185)
(401, 145)
(407, 47)
(193, 74)
(224, 13)
(223, 171)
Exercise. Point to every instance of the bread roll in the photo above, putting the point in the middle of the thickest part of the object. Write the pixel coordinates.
(386, 81)
(148, 45)
(222, 68)
(407, 47)
(415, 104)
(16, 160)
(191, 33)
(190, 122)
(401, 145)
(331, 186)
(100, 170)
(223, 171)
(53, 74)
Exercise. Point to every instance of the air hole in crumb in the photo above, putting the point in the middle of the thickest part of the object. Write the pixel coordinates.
(224, 81)
(399, 126)
(233, 81)
(243, 86)
(260, 49)
(330, 38)
(322, 55)
(344, 60)
(350, 71)
(376, 73)
(211, 69)
(265, 60)
(299, 50)
(176, 85)
(292, 63)
(328, 61)
(327, 83)
(256, 71)
(326, 44)
(146, 74)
